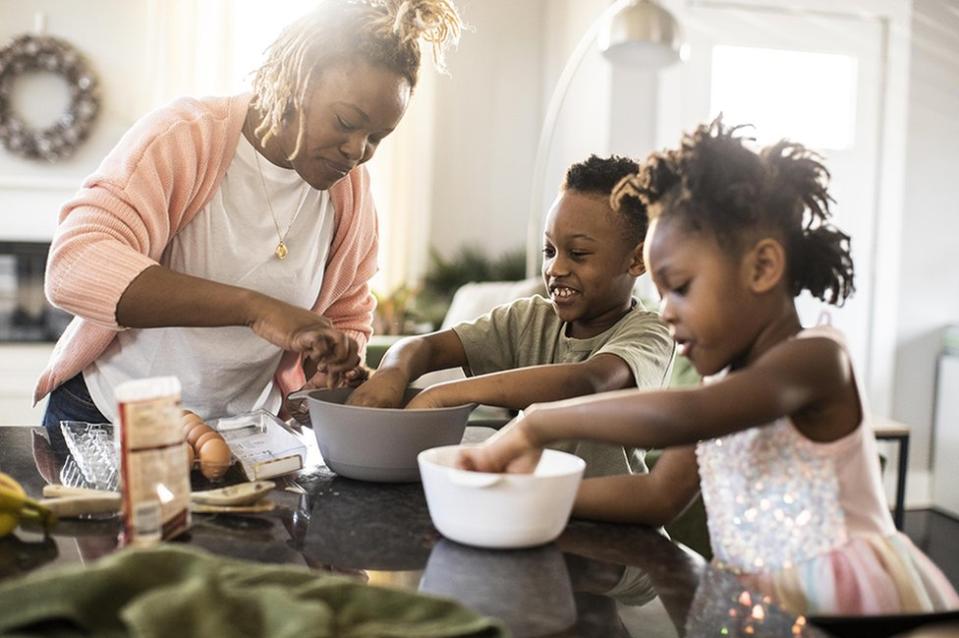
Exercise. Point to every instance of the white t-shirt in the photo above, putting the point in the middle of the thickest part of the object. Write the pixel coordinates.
(229, 370)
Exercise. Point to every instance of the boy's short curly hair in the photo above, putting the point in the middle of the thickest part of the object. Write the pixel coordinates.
(715, 184)
(599, 176)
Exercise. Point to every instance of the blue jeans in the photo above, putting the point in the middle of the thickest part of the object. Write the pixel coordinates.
(69, 402)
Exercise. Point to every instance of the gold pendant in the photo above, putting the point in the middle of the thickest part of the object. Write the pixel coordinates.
(280, 251)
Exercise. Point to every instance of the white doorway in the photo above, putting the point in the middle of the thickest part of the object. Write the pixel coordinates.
(821, 77)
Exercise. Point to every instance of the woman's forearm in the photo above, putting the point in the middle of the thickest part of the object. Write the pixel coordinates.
(160, 297)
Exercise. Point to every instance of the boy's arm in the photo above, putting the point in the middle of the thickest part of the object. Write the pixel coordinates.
(517, 389)
(405, 361)
(653, 499)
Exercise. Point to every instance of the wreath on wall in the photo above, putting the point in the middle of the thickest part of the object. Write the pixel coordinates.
(45, 53)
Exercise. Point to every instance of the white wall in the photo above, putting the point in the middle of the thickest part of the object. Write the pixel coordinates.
(487, 118)
(110, 33)
(929, 275)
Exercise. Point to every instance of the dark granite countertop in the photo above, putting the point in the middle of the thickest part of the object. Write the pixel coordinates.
(595, 580)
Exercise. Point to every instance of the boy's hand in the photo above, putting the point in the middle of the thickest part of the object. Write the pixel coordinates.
(429, 399)
(513, 449)
(385, 389)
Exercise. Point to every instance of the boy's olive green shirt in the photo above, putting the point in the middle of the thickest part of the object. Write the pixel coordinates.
(528, 332)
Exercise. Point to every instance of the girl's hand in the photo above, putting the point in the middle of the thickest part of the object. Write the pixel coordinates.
(513, 449)
(299, 330)
(385, 389)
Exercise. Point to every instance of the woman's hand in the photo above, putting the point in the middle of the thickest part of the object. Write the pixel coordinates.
(299, 330)
(326, 378)
(385, 389)
(298, 408)
(514, 449)
(357, 376)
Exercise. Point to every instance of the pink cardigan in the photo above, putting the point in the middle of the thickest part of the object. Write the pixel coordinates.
(161, 174)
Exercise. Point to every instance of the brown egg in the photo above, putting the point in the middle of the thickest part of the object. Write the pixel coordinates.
(190, 417)
(191, 456)
(196, 432)
(214, 458)
(209, 436)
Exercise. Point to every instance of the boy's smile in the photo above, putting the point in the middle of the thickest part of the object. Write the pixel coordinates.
(588, 263)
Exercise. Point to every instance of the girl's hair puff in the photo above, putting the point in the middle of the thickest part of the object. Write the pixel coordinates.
(714, 183)
(382, 32)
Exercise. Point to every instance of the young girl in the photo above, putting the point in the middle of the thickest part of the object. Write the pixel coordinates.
(787, 459)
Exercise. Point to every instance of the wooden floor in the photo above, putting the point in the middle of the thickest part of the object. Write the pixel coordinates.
(938, 536)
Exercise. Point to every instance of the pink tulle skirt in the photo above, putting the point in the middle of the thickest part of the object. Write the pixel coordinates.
(867, 576)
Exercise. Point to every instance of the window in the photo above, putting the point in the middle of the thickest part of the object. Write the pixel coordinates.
(800, 95)
(254, 29)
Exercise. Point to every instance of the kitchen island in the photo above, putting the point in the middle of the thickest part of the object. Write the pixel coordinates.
(595, 580)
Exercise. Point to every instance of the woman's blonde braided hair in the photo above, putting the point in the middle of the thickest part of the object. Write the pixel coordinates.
(386, 32)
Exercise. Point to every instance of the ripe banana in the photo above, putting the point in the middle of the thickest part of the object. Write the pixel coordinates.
(16, 506)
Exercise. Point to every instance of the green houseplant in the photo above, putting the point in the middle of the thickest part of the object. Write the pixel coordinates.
(407, 308)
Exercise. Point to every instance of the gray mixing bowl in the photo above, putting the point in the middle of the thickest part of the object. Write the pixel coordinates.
(379, 444)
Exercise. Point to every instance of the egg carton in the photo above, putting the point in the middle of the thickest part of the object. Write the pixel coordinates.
(93, 456)
(263, 444)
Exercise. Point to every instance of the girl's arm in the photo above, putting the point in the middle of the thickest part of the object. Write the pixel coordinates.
(518, 389)
(789, 378)
(653, 499)
(405, 361)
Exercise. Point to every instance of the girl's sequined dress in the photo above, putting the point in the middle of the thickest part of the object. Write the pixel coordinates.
(808, 522)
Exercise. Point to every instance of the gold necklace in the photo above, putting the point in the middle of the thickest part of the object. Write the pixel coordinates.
(281, 250)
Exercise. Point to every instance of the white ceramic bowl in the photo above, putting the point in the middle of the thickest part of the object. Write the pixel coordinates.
(379, 444)
(500, 510)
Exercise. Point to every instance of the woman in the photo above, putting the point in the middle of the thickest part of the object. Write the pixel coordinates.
(250, 215)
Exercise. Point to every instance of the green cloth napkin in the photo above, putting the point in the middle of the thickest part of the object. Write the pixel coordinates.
(176, 591)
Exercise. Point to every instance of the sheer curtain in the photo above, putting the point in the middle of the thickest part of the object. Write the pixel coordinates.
(209, 47)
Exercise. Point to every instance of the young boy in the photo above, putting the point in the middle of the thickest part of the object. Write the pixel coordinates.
(590, 336)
